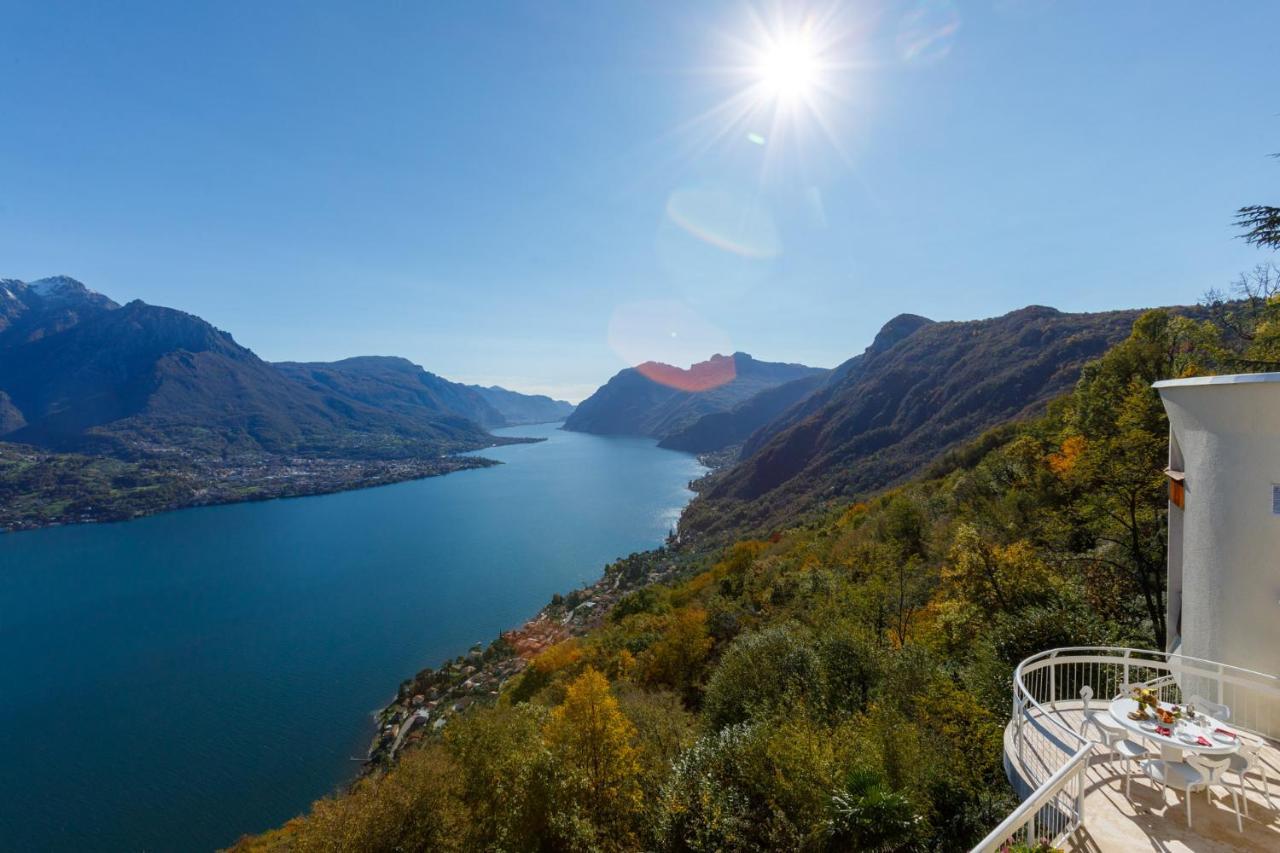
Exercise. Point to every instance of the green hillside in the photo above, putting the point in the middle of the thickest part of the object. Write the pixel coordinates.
(840, 685)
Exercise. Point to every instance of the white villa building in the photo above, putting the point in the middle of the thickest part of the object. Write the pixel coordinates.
(1093, 779)
(1224, 518)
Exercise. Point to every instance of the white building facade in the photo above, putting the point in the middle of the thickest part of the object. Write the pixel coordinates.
(1224, 518)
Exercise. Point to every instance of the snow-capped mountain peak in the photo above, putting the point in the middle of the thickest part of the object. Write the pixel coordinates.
(58, 285)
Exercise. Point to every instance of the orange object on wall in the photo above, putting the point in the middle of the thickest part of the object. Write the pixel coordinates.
(1177, 489)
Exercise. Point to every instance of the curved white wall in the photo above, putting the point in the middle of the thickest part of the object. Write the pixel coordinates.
(1227, 431)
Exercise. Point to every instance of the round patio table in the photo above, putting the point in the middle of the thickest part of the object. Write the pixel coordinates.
(1182, 737)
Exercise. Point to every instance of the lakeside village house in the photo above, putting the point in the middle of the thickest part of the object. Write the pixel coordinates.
(1091, 776)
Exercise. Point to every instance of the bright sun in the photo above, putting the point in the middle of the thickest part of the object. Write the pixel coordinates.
(788, 69)
(787, 81)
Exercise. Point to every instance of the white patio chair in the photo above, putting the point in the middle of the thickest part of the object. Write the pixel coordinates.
(1218, 711)
(1112, 735)
(1109, 731)
(1247, 758)
(1198, 772)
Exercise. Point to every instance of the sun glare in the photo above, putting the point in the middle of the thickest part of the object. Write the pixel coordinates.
(787, 76)
(789, 68)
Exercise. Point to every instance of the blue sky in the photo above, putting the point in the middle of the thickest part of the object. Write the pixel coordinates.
(536, 193)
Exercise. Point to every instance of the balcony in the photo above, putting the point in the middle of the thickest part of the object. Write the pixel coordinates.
(1072, 788)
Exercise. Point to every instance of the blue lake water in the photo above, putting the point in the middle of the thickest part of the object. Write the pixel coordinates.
(173, 682)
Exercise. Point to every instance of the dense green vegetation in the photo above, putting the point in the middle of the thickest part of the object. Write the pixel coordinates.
(842, 685)
(38, 487)
(41, 487)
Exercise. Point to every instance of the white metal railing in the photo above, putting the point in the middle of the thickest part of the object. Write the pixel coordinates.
(1051, 759)
(1050, 756)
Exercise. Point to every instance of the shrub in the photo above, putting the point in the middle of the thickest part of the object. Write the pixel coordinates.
(415, 807)
(867, 815)
(850, 671)
(649, 599)
(503, 775)
(703, 807)
(677, 659)
(759, 672)
(1016, 636)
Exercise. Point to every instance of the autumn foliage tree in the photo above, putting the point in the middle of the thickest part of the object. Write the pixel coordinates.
(677, 659)
(416, 807)
(1118, 477)
(995, 577)
(502, 775)
(597, 768)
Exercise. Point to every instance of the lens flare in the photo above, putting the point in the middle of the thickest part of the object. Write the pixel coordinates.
(656, 336)
(727, 221)
(702, 376)
(786, 75)
(926, 33)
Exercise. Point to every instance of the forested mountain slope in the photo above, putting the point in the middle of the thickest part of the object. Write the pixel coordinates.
(890, 333)
(80, 372)
(518, 408)
(923, 388)
(395, 385)
(109, 412)
(719, 430)
(142, 378)
(398, 385)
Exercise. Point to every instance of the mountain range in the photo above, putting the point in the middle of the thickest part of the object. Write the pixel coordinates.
(791, 438)
(517, 408)
(661, 401)
(921, 389)
(80, 372)
(719, 430)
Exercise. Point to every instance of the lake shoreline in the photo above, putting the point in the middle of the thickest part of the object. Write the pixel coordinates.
(168, 485)
(255, 640)
(426, 702)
